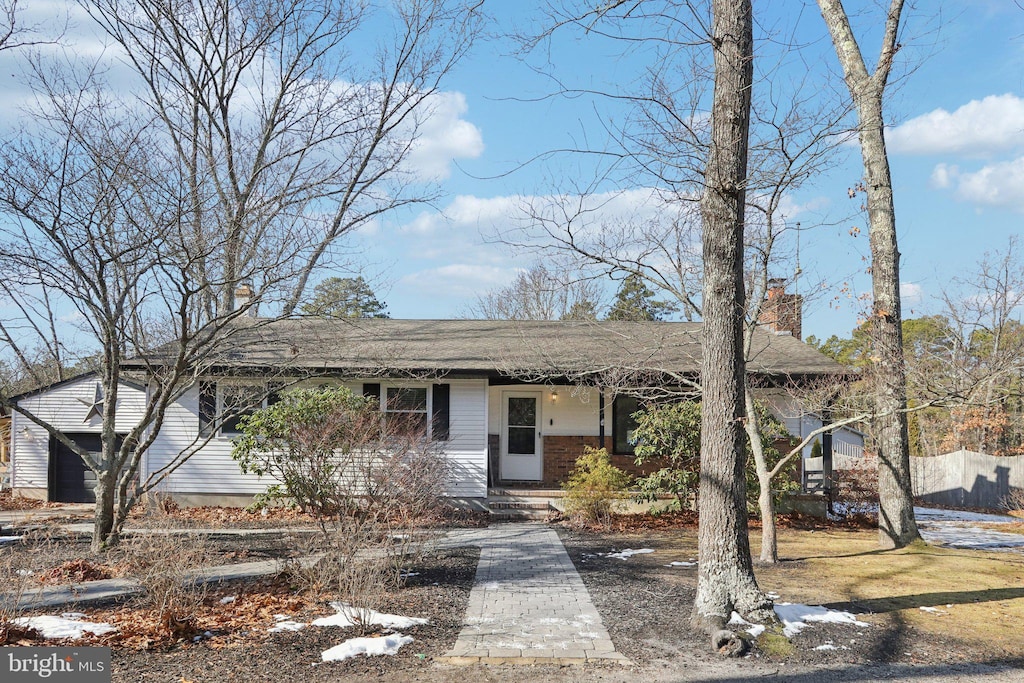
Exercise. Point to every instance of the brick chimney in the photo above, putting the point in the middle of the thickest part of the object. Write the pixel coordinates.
(243, 296)
(782, 313)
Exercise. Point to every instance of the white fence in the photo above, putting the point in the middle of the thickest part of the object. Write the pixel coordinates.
(966, 478)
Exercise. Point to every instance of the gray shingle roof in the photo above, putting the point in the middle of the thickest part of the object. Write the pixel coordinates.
(570, 348)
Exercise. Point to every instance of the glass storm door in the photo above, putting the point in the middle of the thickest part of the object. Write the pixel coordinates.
(521, 445)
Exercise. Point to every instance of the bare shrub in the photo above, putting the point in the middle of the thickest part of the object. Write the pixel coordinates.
(367, 479)
(859, 485)
(1013, 502)
(167, 566)
(17, 578)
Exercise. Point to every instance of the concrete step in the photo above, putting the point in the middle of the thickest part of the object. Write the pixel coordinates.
(520, 515)
(514, 508)
(517, 493)
(518, 505)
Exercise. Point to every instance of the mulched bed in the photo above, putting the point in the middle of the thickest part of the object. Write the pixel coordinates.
(169, 514)
(59, 558)
(245, 651)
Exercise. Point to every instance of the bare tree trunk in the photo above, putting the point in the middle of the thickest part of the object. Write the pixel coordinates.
(726, 576)
(769, 537)
(896, 524)
(103, 522)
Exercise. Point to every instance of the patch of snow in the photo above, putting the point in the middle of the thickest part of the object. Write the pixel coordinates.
(286, 625)
(842, 509)
(922, 514)
(933, 610)
(795, 617)
(350, 616)
(826, 646)
(754, 630)
(24, 572)
(228, 599)
(64, 626)
(406, 575)
(368, 646)
(628, 553)
(681, 564)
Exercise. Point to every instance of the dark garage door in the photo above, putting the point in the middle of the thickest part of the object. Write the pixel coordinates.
(70, 480)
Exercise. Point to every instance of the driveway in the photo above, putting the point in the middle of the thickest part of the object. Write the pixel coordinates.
(961, 529)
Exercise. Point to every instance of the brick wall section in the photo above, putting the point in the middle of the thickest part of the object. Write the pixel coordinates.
(560, 453)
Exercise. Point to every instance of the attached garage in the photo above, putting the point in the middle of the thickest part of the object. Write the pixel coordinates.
(71, 481)
(45, 469)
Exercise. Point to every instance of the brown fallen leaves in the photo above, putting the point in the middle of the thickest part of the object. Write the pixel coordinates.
(246, 619)
(77, 571)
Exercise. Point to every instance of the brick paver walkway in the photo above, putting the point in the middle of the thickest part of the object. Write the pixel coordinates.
(528, 604)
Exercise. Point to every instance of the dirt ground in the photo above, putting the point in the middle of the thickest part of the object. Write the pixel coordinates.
(644, 604)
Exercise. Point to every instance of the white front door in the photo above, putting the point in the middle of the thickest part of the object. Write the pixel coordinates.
(521, 444)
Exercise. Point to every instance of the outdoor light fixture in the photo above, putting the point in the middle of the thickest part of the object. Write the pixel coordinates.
(554, 395)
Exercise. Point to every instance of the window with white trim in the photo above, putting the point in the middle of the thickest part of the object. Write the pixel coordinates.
(223, 404)
(235, 401)
(408, 406)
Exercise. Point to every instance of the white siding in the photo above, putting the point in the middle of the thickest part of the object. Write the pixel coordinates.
(800, 424)
(64, 407)
(466, 448)
(574, 412)
(211, 469)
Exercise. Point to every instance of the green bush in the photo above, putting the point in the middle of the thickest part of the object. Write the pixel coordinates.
(816, 450)
(594, 486)
(670, 434)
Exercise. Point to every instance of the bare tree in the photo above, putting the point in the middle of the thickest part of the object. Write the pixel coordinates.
(541, 294)
(896, 523)
(665, 141)
(726, 579)
(296, 138)
(246, 154)
(16, 33)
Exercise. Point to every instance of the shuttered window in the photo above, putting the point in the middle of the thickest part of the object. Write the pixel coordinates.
(207, 407)
(441, 407)
(623, 424)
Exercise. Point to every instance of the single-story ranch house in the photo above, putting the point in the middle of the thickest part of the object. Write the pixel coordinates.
(512, 401)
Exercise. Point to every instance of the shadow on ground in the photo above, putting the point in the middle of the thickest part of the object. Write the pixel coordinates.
(901, 602)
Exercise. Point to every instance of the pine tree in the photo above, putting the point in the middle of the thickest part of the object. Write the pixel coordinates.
(635, 301)
(344, 297)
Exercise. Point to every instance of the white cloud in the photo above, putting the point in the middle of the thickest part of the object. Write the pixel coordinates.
(979, 127)
(1000, 184)
(911, 293)
(443, 137)
(458, 279)
(490, 213)
(943, 175)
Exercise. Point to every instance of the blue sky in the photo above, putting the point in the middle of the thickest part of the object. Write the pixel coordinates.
(956, 146)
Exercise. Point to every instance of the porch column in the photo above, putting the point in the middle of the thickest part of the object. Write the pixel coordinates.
(827, 473)
(600, 410)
